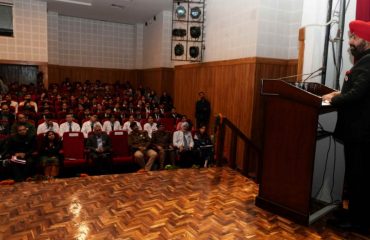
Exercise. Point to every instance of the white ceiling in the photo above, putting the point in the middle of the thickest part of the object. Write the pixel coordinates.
(129, 11)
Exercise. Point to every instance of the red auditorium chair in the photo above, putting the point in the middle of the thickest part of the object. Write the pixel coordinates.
(74, 149)
(169, 124)
(120, 148)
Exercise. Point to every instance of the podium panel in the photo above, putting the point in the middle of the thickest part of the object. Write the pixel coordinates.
(290, 136)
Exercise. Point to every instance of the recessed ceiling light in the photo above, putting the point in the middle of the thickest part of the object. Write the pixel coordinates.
(75, 2)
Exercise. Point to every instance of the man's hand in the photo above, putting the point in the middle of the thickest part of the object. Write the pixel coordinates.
(181, 148)
(328, 97)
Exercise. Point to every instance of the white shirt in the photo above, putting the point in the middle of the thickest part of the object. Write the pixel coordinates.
(126, 126)
(86, 128)
(43, 128)
(64, 127)
(107, 126)
(150, 128)
(178, 139)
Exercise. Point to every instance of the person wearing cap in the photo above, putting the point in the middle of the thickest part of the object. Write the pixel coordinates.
(140, 145)
(162, 139)
(353, 129)
(48, 125)
(111, 124)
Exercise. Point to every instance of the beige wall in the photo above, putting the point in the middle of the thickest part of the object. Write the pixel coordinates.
(30, 33)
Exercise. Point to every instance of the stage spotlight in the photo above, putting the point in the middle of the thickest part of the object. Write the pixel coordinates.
(179, 50)
(195, 32)
(194, 52)
(180, 12)
(179, 32)
(195, 12)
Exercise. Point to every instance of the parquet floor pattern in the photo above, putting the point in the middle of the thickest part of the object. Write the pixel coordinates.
(215, 203)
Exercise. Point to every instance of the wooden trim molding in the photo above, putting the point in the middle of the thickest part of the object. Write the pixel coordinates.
(302, 39)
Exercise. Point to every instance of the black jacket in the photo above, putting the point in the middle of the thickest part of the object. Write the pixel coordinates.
(92, 143)
(353, 124)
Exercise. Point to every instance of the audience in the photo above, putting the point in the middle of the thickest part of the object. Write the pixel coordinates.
(47, 125)
(100, 148)
(184, 143)
(50, 154)
(6, 119)
(89, 103)
(139, 143)
(20, 147)
(23, 121)
(111, 125)
(69, 125)
(127, 125)
(89, 125)
(150, 126)
(162, 140)
(203, 143)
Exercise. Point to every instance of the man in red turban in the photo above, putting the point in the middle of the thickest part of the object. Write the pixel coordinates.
(353, 129)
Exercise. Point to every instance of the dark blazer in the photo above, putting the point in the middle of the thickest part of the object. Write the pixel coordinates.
(92, 143)
(353, 124)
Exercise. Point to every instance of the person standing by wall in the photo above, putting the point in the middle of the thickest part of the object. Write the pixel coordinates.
(202, 110)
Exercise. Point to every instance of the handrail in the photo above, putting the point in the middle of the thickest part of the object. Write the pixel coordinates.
(251, 151)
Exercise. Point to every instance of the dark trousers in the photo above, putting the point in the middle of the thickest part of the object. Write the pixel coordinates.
(22, 171)
(188, 158)
(357, 159)
(101, 162)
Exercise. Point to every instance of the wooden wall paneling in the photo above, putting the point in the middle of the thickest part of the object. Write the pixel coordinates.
(233, 88)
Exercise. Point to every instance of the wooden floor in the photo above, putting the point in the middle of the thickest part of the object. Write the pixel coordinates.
(215, 203)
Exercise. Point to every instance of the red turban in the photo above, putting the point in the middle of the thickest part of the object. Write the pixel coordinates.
(361, 29)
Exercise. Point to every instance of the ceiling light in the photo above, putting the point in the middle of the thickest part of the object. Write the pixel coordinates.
(179, 49)
(180, 12)
(194, 52)
(75, 2)
(195, 12)
(195, 32)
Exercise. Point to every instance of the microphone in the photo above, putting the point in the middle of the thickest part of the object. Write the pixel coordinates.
(299, 75)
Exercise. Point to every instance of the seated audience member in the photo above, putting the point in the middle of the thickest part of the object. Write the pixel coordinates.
(157, 114)
(28, 102)
(69, 125)
(50, 154)
(106, 114)
(84, 115)
(48, 125)
(147, 110)
(22, 121)
(203, 143)
(174, 115)
(179, 124)
(6, 119)
(20, 147)
(126, 125)
(111, 125)
(12, 104)
(139, 143)
(88, 126)
(100, 148)
(162, 140)
(184, 143)
(150, 126)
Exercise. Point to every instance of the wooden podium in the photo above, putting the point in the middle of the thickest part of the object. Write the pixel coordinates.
(290, 131)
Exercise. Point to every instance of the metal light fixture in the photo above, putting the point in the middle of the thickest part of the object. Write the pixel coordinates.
(194, 52)
(179, 49)
(195, 12)
(180, 12)
(179, 32)
(195, 32)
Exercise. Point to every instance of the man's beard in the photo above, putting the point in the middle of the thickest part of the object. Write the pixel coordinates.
(358, 51)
